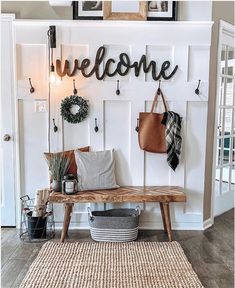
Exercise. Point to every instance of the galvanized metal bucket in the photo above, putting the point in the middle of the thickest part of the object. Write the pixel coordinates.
(114, 225)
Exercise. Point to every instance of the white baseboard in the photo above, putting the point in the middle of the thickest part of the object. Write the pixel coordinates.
(208, 223)
(146, 226)
(143, 226)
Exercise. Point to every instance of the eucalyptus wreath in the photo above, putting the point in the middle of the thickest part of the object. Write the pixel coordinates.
(66, 105)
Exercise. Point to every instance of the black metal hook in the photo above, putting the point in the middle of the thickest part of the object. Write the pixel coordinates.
(197, 91)
(75, 91)
(118, 91)
(96, 126)
(159, 89)
(137, 127)
(55, 127)
(31, 86)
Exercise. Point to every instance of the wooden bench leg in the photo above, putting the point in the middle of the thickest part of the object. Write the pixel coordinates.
(163, 217)
(166, 219)
(68, 209)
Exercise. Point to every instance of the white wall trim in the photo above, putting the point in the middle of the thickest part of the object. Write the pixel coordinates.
(227, 28)
(196, 226)
(7, 17)
(215, 129)
(16, 140)
(60, 3)
(208, 223)
(193, 221)
(104, 23)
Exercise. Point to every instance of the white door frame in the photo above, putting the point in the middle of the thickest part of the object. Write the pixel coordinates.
(15, 123)
(18, 192)
(12, 110)
(229, 29)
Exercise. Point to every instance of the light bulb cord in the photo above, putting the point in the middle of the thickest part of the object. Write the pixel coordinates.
(49, 93)
(52, 65)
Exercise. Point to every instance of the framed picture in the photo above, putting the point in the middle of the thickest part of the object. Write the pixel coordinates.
(125, 10)
(87, 10)
(161, 10)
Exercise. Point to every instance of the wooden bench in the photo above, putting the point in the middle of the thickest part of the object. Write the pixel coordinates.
(162, 194)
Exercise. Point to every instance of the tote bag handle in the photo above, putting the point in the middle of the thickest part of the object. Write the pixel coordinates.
(159, 92)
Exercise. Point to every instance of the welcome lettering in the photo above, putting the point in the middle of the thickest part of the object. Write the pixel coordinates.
(123, 67)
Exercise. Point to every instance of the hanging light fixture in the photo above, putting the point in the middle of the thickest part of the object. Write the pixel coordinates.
(52, 44)
(51, 35)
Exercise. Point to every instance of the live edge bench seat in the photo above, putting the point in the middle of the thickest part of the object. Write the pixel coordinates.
(131, 194)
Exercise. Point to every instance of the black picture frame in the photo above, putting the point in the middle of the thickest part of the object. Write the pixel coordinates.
(76, 15)
(173, 16)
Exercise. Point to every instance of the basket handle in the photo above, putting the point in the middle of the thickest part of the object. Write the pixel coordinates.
(25, 196)
(138, 209)
(89, 212)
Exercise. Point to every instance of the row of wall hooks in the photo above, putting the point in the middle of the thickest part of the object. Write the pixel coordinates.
(75, 91)
(96, 128)
(197, 91)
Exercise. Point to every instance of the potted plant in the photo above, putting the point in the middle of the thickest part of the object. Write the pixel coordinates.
(58, 166)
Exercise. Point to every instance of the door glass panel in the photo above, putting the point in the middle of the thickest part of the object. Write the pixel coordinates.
(233, 176)
(226, 150)
(233, 152)
(217, 174)
(217, 185)
(225, 182)
(223, 60)
(231, 61)
(220, 122)
(229, 92)
(233, 122)
(217, 182)
(228, 121)
(221, 91)
(218, 156)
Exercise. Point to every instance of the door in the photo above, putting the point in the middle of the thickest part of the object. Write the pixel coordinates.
(225, 132)
(7, 175)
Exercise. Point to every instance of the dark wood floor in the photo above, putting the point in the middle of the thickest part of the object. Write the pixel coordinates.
(210, 252)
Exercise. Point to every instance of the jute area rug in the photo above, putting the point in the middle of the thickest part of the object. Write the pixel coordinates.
(111, 265)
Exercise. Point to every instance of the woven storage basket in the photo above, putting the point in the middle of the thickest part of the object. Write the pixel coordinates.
(114, 225)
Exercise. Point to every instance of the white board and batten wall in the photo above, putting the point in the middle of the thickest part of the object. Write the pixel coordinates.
(186, 44)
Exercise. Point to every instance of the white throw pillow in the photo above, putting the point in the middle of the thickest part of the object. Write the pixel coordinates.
(95, 170)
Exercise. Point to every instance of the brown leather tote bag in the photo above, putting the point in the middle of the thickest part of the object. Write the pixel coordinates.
(151, 131)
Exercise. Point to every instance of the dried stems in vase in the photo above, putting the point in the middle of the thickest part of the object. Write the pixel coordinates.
(58, 166)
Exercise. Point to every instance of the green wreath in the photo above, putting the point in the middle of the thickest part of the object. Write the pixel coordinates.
(66, 105)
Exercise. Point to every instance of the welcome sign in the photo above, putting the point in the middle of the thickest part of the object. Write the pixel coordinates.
(110, 67)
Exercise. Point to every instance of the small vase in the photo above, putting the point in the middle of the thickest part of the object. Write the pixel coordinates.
(56, 185)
